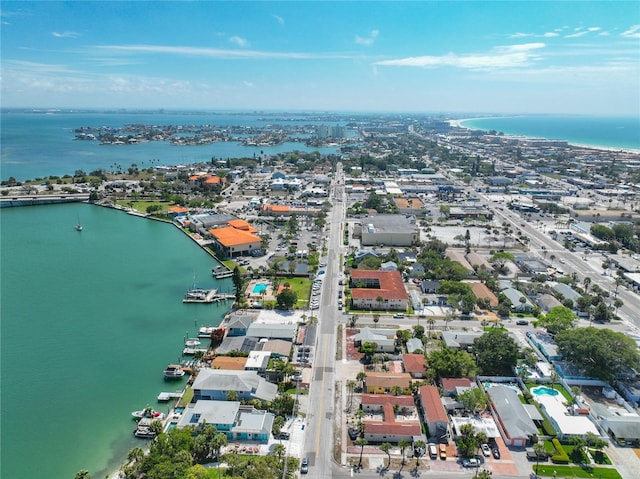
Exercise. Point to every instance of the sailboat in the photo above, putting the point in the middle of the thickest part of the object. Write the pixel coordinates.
(78, 225)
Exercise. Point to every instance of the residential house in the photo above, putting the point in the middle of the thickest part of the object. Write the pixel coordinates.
(257, 361)
(237, 325)
(458, 256)
(414, 345)
(460, 339)
(384, 338)
(433, 412)
(514, 420)
(415, 364)
(230, 363)
(272, 331)
(384, 410)
(516, 298)
(215, 384)
(480, 290)
(453, 386)
(385, 383)
(238, 423)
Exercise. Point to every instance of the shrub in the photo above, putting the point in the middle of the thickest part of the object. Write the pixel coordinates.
(561, 456)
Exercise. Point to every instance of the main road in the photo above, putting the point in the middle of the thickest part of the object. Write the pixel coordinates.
(319, 437)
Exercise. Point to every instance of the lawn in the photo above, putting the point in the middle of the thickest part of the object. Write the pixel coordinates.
(577, 471)
(142, 206)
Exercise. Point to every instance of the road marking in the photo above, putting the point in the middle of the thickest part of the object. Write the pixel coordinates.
(321, 407)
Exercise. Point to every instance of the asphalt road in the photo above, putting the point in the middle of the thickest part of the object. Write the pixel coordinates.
(319, 437)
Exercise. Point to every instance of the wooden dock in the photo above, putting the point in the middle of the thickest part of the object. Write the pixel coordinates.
(166, 396)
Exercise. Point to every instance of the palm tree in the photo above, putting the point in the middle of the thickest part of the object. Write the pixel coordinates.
(135, 455)
(386, 447)
(351, 385)
(361, 441)
(218, 442)
(419, 446)
(362, 377)
(279, 450)
(83, 474)
(538, 448)
(403, 443)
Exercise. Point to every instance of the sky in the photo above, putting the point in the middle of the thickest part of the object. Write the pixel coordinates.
(580, 57)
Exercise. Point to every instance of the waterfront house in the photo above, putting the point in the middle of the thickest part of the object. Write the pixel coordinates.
(215, 384)
(237, 422)
(237, 325)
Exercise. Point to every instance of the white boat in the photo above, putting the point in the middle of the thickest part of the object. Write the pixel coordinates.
(148, 412)
(191, 343)
(206, 331)
(173, 371)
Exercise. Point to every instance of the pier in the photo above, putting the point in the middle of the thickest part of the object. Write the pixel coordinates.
(33, 200)
(203, 296)
(167, 396)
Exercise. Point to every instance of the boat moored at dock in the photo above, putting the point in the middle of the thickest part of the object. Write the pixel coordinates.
(173, 371)
(221, 271)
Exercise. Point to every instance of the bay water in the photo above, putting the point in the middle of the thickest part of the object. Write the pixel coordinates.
(90, 320)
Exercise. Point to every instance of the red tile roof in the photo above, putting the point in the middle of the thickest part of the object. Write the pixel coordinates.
(432, 404)
(414, 363)
(406, 428)
(382, 399)
(391, 285)
(388, 380)
(450, 384)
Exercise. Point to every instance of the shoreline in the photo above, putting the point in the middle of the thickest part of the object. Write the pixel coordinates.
(459, 124)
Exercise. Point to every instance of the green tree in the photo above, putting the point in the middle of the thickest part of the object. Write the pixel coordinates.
(361, 442)
(449, 362)
(368, 348)
(277, 426)
(83, 474)
(600, 353)
(559, 318)
(403, 444)
(538, 448)
(496, 353)
(287, 299)
(238, 284)
(386, 447)
(473, 399)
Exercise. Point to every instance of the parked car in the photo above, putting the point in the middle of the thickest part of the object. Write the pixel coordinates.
(284, 435)
(522, 322)
(353, 433)
(496, 452)
(485, 450)
(470, 462)
(304, 467)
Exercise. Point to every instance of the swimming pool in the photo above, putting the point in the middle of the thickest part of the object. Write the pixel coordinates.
(259, 288)
(544, 390)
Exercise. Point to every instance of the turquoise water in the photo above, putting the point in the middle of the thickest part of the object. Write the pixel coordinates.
(89, 321)
(543, 390)
(259, 288)
(35, 145)
(606, 132)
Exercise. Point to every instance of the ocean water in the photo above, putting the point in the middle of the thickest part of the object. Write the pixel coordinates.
(603, 132)
(89, 321)
(38, 144)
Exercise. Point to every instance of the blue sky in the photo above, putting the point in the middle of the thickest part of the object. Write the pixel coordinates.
(472, 57)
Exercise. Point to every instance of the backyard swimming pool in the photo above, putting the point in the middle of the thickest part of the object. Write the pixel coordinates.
(544, 390)
(259, 288)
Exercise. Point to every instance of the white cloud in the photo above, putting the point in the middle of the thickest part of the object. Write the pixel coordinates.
(248, 83)
(241, 42)
(215, 52)
(499, 57)
(367, 40)
(550, 34)
(279, 19)
(632, 32)
(65, 34)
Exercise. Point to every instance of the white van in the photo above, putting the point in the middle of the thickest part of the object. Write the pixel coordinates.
(433, 450)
